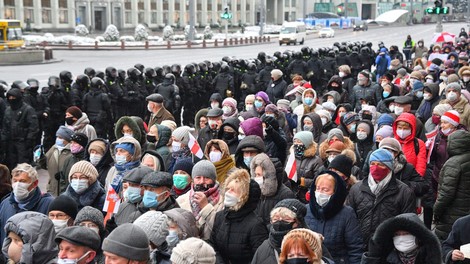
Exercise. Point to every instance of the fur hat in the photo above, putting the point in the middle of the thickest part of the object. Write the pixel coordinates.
(313, 239)
(75, 112)
(452, 117)
(155, 226)
(64, 133)
(182, 134)
(128, 241)
(270, 183)
(86, 168)
(241, 178)
(440, 109)
(193, 250)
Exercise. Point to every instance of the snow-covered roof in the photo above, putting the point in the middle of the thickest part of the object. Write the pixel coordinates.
(390, 16)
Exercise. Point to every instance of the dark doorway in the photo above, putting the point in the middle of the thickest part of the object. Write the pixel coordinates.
(366, 11)
(99, 20)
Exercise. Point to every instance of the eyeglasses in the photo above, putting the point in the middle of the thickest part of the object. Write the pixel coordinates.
(89, 225)
(80, 177)
(57, 216)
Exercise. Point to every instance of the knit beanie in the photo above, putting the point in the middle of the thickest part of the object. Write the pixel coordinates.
(455, 86)
(383, 156)
(128, 241)
(440, 109)
(349, 118)
(98, 146)
(250, 98)
(335, 132)
(170, 124)
(182, 134)
(343, 164)
(64, 133)
(204, 168)
(283, 103)
(329, 106)
(365, 127)
(313, 239)
(306, 137)
(385, 119)
(271, 108)
(129, 147)
(230, 102)
(385, 132)
(193, 250)
(86, 168)
(390, 143)
(80, 138)
(324, 113)
(264, 96)
(336, 146)
(64, 204)
(276, 72)
(91, 214)
(416, 75)
(185, 165)
(295, 206)
(452, 117)
(155, 226)
(74, 111)
(418, 86)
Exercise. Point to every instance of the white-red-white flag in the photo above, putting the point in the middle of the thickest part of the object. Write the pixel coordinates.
(111, 204)
(194, 147)
(291, 167)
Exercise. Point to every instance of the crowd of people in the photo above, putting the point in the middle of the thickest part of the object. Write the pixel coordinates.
(344, 154)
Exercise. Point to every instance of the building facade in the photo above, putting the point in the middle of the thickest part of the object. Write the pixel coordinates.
(126, 14)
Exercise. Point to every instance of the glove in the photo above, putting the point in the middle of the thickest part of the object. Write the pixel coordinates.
(375, 249)
(110, 225)
(310, 74)
(243, 86)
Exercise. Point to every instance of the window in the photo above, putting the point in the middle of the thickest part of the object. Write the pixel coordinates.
(29, 14)
(294, 3)
(63, 16)
(46, 16)
(128, 5)
(62, 3)
(14, 34)
(46, 3)
(10, 12)
(128, 17)
(28, 3)
(287, 3)
(153, 18)
(9, 2)
(141, 17)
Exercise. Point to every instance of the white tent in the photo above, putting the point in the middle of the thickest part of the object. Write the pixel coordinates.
(390, 16)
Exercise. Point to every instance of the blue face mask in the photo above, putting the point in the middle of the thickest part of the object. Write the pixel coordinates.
(385, 94)
(150, 199)
(353, 128)
(172, 239)
(133, 194)
(247, 161)
(308, 100)
(258, 104)
(59, 142)
(121, 159)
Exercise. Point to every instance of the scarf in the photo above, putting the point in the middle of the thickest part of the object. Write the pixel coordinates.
(375, 187)
(399, 163)
(183, 152)
(212, 195)
(408, 258)
(180, 192)
(275, 238)
(121, 170)
(425, 112)
(222, 167)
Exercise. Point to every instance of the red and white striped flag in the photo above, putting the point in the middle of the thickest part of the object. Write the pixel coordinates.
(291, 167)
(194, 147)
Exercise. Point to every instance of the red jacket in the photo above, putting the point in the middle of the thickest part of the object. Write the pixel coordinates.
(408, 144)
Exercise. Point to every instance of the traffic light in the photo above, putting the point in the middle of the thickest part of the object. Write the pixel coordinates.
(226, 14)
(437, 10)
(438, 3)
(340, 10)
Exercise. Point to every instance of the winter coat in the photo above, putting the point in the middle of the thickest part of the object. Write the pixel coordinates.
(343, 59)
(425, 109)
(276, 89)
(223, 82)
(82, 125)
(272, 189)
(318, 135)
(367, 91)
(337, 223)
(37, 234)
(238, 231)
(396, 198)
(105, 164)
(276, 144)
(429, 249)
(38, 202)
(161, 115)
(205, 135)
(454, 184)
(298, 67)
(306, 168)
(169, 91)
(55, 163)
(419, 161)
(20, 125)
(232, 143)
(418, 50)
(98, 106)
(457, 237)
(463, 107)
(93, 196)
(364, 147)
(129, 212)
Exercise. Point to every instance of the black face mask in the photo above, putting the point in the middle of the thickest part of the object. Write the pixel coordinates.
(151, 139)
(202, 187)
(14, 103)
(69, 120)
(297, 261)
(366, 117)
(282, 225)
(33, 90)
(228, 136)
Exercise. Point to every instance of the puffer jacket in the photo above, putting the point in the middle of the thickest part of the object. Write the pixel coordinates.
(396, 198)
(272, 189)
(337, 223)
(408, 144)
(238, 231)
(454, 184)
(276, 89)
(307, 168)
(94, 196)
(366, 91)
(429, 250)
(37, 233)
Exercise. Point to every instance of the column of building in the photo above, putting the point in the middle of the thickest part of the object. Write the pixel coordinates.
(204, 7)
(147, 12)
(135, 14)
(71, 13)
(159, 12)
(171, 12)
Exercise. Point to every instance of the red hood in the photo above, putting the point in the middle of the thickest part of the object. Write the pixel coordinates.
(409, 118)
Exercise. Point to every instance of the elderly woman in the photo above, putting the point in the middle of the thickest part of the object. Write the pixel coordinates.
(84, 187)
(327, 215)
(302, 246)
(218, 153)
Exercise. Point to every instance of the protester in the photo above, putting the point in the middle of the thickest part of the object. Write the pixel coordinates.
(77, 243)
(62, 212)
(127, 242)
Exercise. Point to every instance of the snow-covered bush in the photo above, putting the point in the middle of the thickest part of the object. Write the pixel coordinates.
(81, 30)
(208, 34)
(168, 32)
(100, 39)
(186, 32)
(111, 33)
(141, 33)
(127, 39)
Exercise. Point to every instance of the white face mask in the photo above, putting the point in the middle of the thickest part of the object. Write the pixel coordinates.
(214, 105)
(95, 159)
(466, 78)
(398, 110)
(321, 198)
(405, 243)
(227, 110)
(259, 180)
(230, 200)
(72, 261)
(127, 135)
(248, 107)
(427, 96)
(403, 133)
(391, 108)
(446, 131)
(324, 121)
(175, 146)
(78, 185)
(59, 224)
(341, 74)
(331, 158)
(361, 135)
(20, 190)
(212, 124)
(331, 100)
(149, 107)
(215, 156)
(452, 96)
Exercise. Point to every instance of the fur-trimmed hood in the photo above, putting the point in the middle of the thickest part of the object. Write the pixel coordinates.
(310, 151)
(250, 193)
(199, 114)
(461, 70)
(132, 124)
(270, 181)
(137, 152)
(325, 145)
(429, 245)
